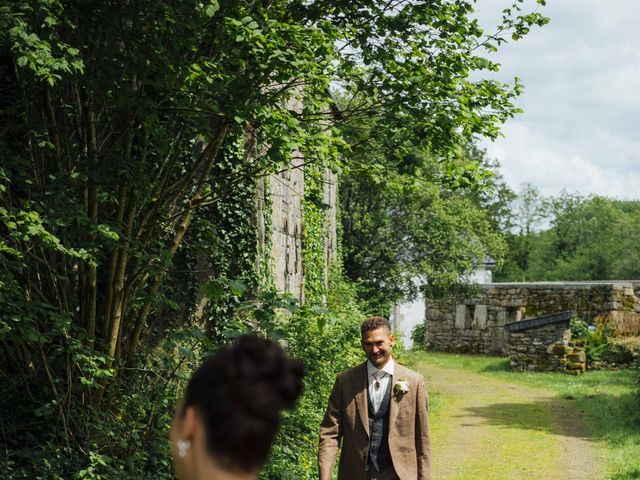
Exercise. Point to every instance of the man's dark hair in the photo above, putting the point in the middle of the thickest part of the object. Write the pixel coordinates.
(239, 393)
(373, 323)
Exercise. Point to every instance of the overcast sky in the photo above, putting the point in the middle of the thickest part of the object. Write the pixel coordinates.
(580, 130)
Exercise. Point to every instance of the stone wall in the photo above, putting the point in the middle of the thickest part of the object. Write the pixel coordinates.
(284, 194)
(545, 347)
(476, 324)
(556, 357)
(331, 214)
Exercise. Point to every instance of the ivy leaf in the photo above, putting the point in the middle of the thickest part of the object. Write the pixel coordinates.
(211, 9)
(214, 291)
(237, 287)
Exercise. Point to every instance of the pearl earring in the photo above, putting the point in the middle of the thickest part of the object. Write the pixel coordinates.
(183, 446)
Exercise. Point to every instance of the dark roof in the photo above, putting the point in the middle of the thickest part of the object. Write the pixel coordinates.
(529, 323)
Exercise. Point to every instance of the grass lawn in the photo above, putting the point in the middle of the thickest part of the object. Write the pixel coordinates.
(606, 399)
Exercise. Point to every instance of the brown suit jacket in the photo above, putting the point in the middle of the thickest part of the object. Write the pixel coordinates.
(346, 421)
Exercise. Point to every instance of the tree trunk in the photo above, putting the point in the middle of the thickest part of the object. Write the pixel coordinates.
(211, 152)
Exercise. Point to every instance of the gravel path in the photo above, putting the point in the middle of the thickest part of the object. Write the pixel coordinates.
(491, 430)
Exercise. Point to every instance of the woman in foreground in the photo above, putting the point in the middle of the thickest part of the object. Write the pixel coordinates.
(225, 423)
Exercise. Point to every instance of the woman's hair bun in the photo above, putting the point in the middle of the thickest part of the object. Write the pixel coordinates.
(261, 377)
(240, 392)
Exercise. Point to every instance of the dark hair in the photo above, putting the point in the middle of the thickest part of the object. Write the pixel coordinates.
(374, 323)
(239, 393)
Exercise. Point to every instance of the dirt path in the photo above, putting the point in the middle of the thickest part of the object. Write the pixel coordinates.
(485, 429)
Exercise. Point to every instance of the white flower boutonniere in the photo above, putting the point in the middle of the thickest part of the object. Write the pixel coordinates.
(400, 387)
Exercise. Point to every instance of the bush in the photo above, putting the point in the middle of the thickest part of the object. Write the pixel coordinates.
(595, 350)
(579, 328)
(327, 340)
(602, 345)
(595, 338)
(618, 352)
(122, 437)
(417, 335)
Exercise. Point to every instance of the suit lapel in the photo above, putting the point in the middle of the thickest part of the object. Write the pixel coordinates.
(395, 401)
(361, 396)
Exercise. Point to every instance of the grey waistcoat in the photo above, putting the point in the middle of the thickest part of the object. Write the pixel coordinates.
(379, 454)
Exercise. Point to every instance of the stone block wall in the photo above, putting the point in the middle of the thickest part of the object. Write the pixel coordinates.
(283, 194)
(535, 342)
(557, 357)
(476, 324)
(286, 193)
(545, 349)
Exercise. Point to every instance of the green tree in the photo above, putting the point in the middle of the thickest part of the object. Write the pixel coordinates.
(136, 116)
(402, 231)
(494, 196)
(587, 238)
(125, 124)
(528, 213)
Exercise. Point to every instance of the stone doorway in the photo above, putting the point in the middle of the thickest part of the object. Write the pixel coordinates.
(499, 338)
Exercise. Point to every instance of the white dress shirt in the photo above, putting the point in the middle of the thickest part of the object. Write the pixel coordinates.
(385, 374)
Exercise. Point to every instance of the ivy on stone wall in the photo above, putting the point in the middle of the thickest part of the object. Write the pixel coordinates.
(322, 152)
(264, 267)
(324, 333)
(314, 236)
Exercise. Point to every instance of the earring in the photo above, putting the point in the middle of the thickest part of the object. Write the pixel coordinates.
(183, 446)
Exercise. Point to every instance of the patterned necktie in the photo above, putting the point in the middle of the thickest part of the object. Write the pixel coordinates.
(377, 393)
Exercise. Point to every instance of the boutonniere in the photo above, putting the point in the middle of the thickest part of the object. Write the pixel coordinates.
(400, 388)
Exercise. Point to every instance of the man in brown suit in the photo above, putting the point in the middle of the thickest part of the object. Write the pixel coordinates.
(378, 410)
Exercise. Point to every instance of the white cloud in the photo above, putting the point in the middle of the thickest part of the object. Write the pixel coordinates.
(579, 130)
(554, 165)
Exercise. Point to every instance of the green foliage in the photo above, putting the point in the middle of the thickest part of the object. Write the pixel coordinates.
(411, 65)
(216, 265)
(324, 334)
(44, 53)
(597, 342)
(134, 135)
(637, 387)
(584, 238)
(126, 440)
(327, 341)
(602, 345)
(579, 328)
(314, 236)
(402, 228)
(595, 347)
(527, 211)
(417, 336)
(621, 353)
